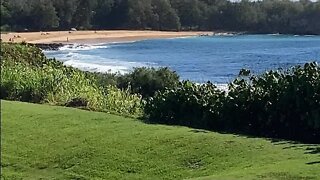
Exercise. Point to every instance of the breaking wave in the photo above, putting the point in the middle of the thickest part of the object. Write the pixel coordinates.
(81, 47)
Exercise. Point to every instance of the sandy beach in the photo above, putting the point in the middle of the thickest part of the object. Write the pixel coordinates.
(92, 37)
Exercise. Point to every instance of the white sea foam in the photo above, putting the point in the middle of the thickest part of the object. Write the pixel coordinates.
(94, 63)
(224, 34)
(223, 87)
(182, 37)
(275, 34)
(70, 55)
(124, 42)
(79, 47)
(102, 68)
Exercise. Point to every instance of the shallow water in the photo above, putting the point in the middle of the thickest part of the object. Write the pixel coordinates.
(200, 59)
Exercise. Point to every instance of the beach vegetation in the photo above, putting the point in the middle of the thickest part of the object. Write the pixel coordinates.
(278, 104)
(147, 81)
(144, 80)
(27, 75)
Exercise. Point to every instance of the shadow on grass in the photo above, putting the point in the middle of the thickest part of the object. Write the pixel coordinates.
(307, 147)
(312, 163)
(313, 150)
(199, 131)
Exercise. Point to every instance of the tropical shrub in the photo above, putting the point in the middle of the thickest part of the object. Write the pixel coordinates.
(105, 79)
(123, 102)
(22, 83)
(144, 81)
(282, 104)
(147, 81)
(27, 75)
(278, 104)
(187, 104)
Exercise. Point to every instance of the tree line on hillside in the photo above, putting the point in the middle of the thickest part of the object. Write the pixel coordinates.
(267, 16)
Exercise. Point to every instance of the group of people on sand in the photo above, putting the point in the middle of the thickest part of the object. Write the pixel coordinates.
(14, 37)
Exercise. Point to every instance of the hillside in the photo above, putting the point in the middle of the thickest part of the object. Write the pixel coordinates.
(48, 142)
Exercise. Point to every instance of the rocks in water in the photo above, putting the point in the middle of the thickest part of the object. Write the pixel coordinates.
(50, 46)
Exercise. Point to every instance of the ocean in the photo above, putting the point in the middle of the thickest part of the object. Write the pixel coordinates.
(216, 58)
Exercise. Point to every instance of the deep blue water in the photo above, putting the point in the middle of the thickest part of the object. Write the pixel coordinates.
(200, 59)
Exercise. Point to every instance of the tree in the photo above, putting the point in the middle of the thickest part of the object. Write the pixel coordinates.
(5, 15)
(140, 14)
(166, 16)
(246, 15)
(190, 12)
(263, 16)
(118, 16)
(102, 12)
(312, 13)
(83, 14)
(44, 15)
(65, 10)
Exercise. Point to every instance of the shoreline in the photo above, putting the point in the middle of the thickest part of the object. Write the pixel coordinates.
(53, 40)
(94, 37)
(95, 42)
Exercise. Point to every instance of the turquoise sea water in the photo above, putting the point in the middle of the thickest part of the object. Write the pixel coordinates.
(217, 59)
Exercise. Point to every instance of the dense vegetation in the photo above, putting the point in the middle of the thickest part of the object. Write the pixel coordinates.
(27, 75)
(144, 81)
(278, 104)
(266, 16)
(47, 142)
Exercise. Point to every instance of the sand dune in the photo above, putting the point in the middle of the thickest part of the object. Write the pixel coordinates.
(91, 37)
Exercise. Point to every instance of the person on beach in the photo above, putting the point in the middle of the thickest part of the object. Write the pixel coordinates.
(67, 39)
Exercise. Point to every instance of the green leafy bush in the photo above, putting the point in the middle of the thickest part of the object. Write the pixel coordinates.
(188, 104)
(123, 102)
(144, 81)
(278, 104)
(22, 83)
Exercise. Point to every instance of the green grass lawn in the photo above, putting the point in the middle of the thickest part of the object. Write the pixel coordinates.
(47, 142)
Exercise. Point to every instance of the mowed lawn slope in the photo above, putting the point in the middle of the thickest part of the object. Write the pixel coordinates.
(46, 142)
